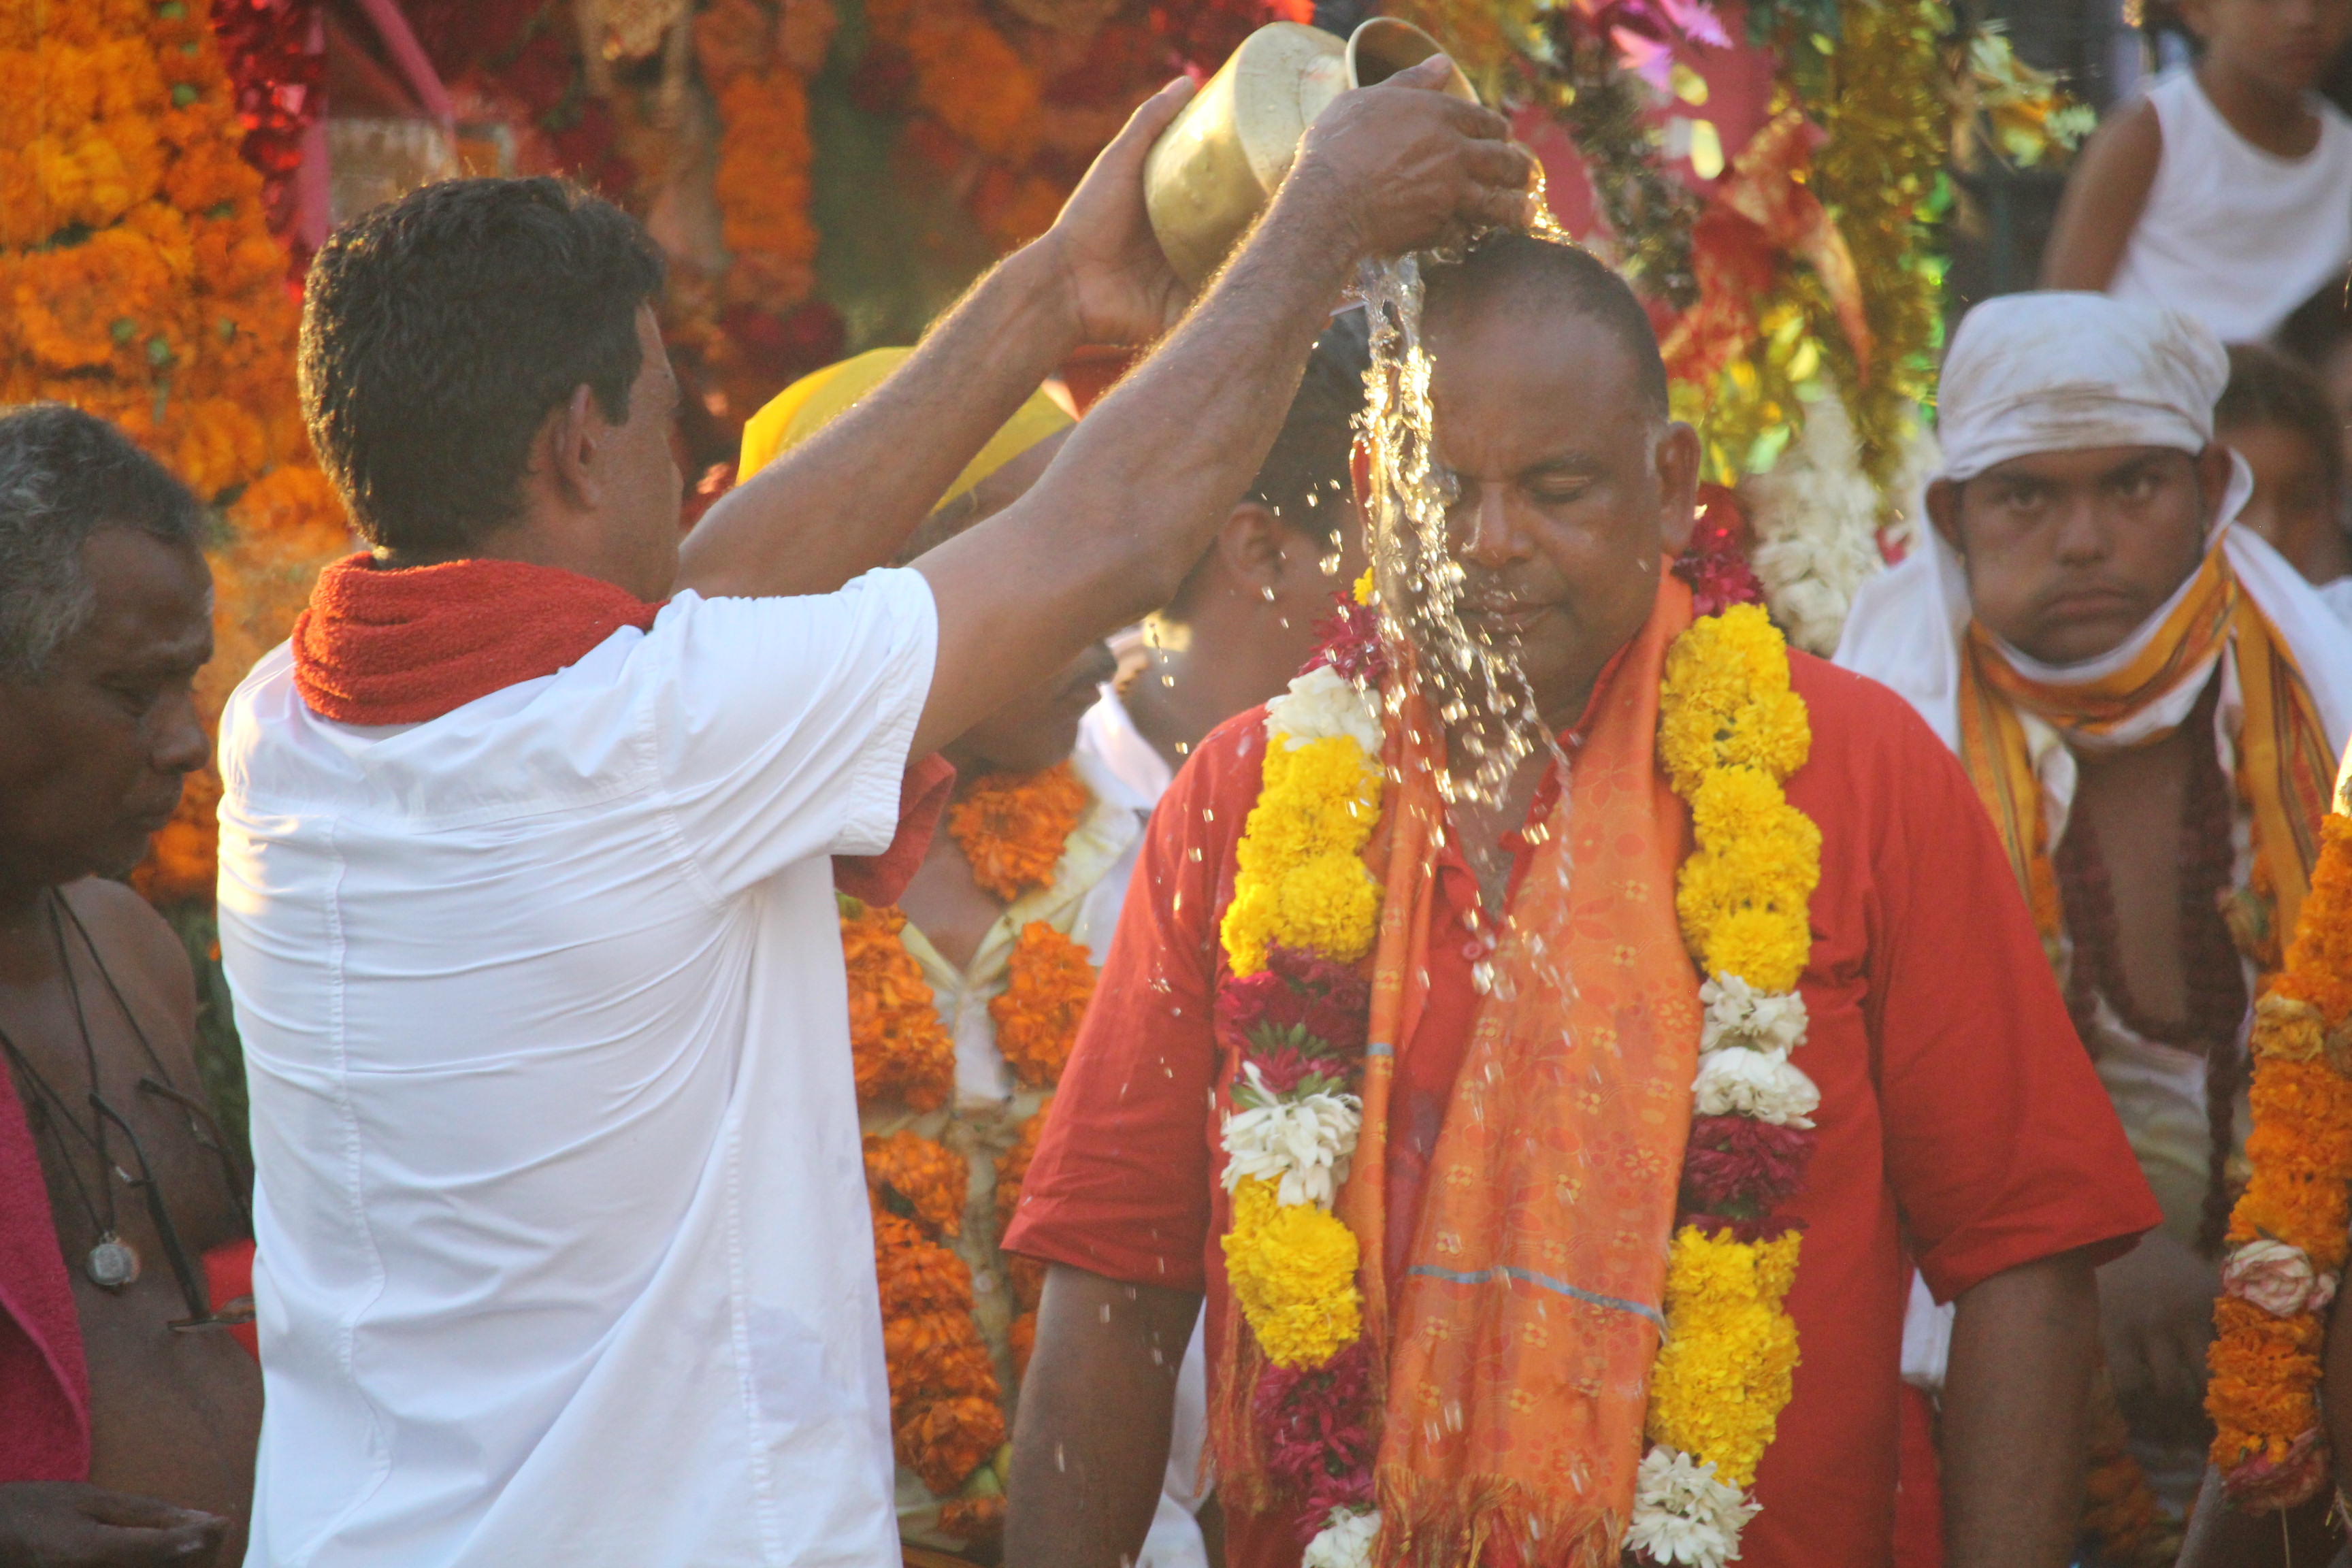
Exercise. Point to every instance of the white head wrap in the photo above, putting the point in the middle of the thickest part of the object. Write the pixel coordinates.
(2055, 373)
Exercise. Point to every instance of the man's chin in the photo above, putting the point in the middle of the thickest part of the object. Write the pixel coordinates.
(2065, 639)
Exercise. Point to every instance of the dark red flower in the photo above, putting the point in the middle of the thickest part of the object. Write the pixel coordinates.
(1716, 564)
(1744, 1230)
(1737, 1164)
(1317, 1430)
(1348, 640)
(1297, 1002)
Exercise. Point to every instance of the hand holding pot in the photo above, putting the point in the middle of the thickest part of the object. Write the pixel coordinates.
(1409, 167)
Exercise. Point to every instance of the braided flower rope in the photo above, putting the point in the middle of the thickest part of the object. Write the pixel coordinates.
(2286, 1234)
(947, 1407)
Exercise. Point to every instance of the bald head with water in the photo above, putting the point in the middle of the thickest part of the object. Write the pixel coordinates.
(1551, 416)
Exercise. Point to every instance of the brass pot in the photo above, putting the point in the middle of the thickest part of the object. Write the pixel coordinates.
(1215, 168)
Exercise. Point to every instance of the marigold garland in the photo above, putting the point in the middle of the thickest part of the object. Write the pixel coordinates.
(947, 1398)
(899, 1048)
(140, 283)
(2288, 1235)
(1730, 728)
(1051, 979)
(1012, 828)
(930, 1180)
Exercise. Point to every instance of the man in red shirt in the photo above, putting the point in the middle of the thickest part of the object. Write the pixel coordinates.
(1959, 1126)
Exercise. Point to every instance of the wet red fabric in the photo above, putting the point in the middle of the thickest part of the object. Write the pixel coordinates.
(1962, 1123)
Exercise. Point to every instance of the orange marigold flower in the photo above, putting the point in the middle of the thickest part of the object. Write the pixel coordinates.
(930, 1179)
(916, 1275)
(943, 1441)
(764, 154)
(1023, 1338)
(1013, 1167)
(1012, 828)
(898, 1046)
(1052, 979)
(1026, 1277)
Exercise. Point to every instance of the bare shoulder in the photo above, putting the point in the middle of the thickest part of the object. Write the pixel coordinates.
(2105, 198)
(140, 948)
(2131, 137)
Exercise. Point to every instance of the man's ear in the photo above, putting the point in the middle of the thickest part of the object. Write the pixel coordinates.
(573, 441)
(1249, 548)
(1678, 464)
(2213, 473)
(1944, 513)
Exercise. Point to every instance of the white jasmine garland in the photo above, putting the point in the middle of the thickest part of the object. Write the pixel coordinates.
(1301, 1142)
(1738, 1080)
(1682, 1514)
(1345, 1542)
(1322, 703)
(1739, 1015)
(1817, 518)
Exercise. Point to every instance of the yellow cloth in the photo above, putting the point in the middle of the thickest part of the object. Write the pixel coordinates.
(810, 404)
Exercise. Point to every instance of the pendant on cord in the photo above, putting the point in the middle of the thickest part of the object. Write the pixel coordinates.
(111, 1264)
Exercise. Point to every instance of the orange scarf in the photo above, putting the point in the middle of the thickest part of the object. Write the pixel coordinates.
(2285, 767)
(1519, 1360)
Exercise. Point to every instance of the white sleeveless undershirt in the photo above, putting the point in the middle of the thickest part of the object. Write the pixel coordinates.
(2231, 234)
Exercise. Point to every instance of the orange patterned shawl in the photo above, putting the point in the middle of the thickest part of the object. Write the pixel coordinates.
(1519, 1361)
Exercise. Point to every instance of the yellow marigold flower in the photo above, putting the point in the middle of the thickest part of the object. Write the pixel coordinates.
(1363, 590)
(1734, 804)
(1726, 1368)
(1726, 700)
(1300, 880)
(1293, 1270)
(1248, 924)
(1763, 947)
(1328, 906)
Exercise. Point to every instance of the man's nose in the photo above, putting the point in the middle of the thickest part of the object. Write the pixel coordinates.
(179, 744)
(2082, 532)
(1495, 537)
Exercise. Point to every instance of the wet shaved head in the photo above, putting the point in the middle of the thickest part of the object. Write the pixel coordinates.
(1521, 273)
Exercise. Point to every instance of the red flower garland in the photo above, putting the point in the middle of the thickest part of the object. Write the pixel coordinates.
(1317, 1437)
(277, 80)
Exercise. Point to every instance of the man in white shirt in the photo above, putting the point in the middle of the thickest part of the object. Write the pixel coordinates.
(524, 889)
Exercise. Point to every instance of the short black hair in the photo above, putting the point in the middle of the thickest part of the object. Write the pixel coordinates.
(64, 475)
(2266, 388)
(1303, 479)
(1508, 266)
(440, 329)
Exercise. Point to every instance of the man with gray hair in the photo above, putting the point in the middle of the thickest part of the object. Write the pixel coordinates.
(128, 1418)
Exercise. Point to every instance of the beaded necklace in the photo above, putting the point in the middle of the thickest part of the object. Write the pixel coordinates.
(2213, 976)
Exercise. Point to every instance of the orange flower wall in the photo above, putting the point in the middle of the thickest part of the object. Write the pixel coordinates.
(138, 281)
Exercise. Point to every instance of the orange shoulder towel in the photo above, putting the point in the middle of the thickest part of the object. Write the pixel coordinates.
(2285, 767)
(406, 647)
(1518, 1361)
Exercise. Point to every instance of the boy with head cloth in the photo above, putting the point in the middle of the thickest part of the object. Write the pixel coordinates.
(2149, 701)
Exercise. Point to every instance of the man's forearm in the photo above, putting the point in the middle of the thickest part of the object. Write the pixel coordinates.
(845, 500)
(1092, 1443)
(2024, 1343)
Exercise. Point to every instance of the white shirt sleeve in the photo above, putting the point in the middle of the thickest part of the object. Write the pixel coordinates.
(780, 726)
